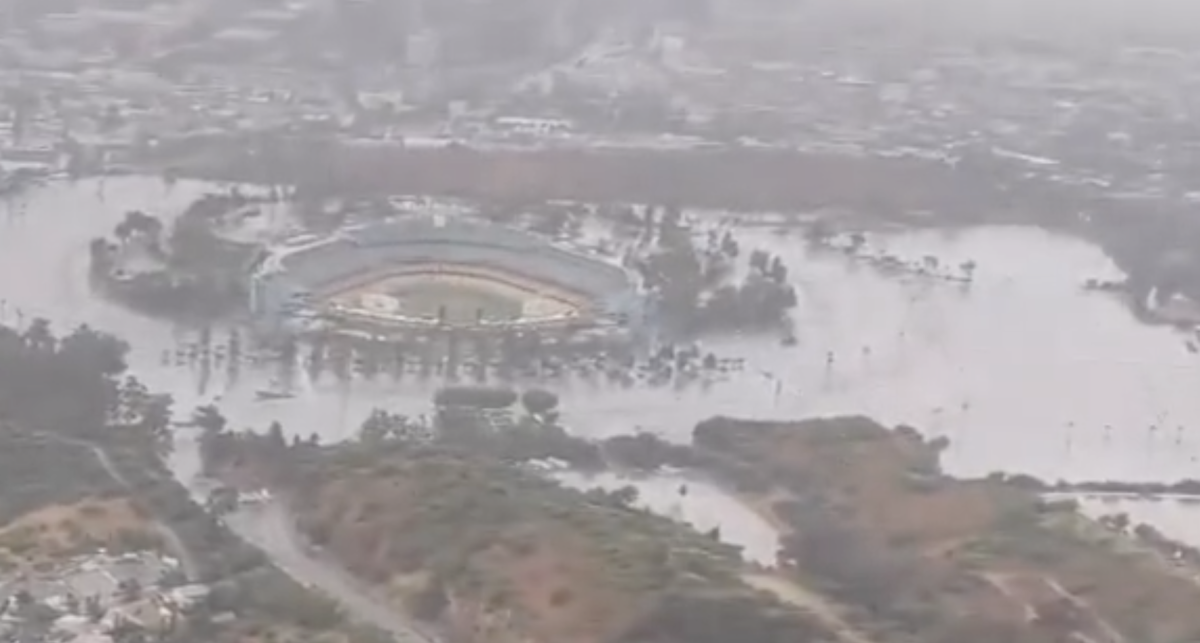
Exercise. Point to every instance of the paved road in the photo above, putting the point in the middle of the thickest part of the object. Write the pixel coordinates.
(269, 527)
(174, 543)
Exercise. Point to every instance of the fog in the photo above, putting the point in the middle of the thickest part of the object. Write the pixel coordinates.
(1100, 24)
(455, 251)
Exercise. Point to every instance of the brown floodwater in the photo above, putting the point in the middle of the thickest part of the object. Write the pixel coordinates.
(1023, 370)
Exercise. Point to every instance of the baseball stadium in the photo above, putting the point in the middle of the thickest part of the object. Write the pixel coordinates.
(432, 273)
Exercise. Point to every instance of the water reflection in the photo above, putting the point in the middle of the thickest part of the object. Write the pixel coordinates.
(1024, 371)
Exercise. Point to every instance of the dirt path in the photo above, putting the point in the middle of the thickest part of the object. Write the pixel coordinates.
(1086, 607)
(1026, 590)
(809, 601)
(174, 542)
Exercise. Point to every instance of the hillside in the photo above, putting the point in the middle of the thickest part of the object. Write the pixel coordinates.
(873, 523)
(491, 552)
(57, 500)
(36, 473)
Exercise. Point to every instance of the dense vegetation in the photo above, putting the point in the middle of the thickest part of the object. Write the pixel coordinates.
(68, 386)
(63, 398)
(63, 401)
(186, 270)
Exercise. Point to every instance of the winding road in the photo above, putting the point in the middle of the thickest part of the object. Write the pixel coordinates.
(269, 527)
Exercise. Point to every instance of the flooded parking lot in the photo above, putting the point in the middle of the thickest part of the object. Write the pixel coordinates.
(1023, 369)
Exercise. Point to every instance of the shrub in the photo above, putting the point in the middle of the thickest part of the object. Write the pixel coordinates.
(537, 401)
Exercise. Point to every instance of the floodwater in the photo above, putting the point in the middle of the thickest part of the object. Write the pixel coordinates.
(1178, 518)
(1023, 370)
(700, 504)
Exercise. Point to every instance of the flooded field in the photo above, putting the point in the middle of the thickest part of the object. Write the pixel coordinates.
(1023, 370)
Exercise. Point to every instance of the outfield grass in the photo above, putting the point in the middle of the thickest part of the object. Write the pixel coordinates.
(461, 304)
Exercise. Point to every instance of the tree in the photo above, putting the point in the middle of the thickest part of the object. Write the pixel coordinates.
(132, 399)
(275, 437)
(759, 261)
(778, 272)
(209, 419)
(627, 495)
(39, 337)
(376, 428)
(156, 421)
(539, 401)
(95, 351)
